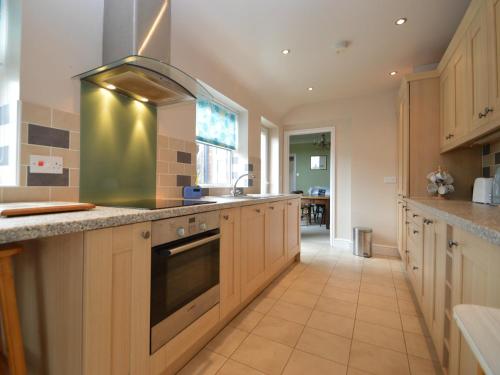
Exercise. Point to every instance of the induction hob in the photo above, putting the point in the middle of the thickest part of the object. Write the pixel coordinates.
(156, 204)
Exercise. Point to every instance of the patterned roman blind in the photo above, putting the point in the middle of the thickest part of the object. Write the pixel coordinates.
(215, 125)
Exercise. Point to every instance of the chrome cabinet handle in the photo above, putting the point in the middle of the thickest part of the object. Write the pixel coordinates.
(488, 110)
(415, 215)
(415, 231)
(415, 268)
(257, 210)
(271, 207)
(146, 234)
(226, 217)
(289, 203)
(451, 244)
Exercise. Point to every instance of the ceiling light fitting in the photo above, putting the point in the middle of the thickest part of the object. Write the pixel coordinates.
(400, 21)
(309, 89)
(285, 51)
(109, 86)
(393, 73)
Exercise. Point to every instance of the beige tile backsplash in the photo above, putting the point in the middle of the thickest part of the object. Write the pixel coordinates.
(50, 118)
(173, 170)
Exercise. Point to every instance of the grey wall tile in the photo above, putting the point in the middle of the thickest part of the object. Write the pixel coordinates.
(48, 179)
(183, 180)
(183, 157)
(42, 135)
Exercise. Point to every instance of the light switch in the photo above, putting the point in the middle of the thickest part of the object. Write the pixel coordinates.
(390, 180)
(46, 164)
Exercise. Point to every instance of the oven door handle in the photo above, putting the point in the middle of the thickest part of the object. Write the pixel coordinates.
(191, 245)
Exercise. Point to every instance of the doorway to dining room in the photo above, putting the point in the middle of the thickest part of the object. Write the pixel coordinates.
(309, 155)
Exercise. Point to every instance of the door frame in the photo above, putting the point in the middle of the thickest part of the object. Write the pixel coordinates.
(333, 168)
(294, 177)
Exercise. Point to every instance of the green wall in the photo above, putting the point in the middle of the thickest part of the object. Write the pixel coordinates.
(308, 177)
(118, 147)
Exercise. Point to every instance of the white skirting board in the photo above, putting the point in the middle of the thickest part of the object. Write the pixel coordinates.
(377, 249)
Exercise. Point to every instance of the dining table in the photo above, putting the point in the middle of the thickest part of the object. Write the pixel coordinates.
(319, 200)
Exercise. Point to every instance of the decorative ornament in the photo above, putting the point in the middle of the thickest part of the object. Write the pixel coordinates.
(440, 183)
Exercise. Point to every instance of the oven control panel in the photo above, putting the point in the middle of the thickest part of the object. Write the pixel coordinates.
(168, 230)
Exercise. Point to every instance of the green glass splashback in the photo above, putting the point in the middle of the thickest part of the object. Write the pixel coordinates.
(118, 147)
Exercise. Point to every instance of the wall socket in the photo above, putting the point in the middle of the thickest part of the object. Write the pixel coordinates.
(46, 164)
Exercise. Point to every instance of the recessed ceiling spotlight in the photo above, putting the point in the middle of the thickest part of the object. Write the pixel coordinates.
(143, 99)
(285, 51)
(393, 73)
(109, 86)
(309, 89)
(401, 21)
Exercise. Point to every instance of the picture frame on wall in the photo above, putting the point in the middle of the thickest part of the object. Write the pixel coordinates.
(318, 162)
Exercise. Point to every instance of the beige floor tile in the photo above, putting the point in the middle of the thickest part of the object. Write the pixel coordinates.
(290, 312)
(420, 366)
(379, 290)
(307, 286)
(227, 341)
(418, 345)
(380, 302)
(235, 368)
(381, 317)
(412, 324)
(353, 371)
(376, 360)
(336, 306)
(332, 291)
(279, 330)
(344, 283)
(404, 295)
(336, 324)
(408, 308)
(326, 345)
(317, 277)
(300, 298)
(246, 320)
(346, 275)
(274, 291)
(263, 354)
(381, 281)
(204, 363)
(302, 363)
(378, 335)
(262, 304)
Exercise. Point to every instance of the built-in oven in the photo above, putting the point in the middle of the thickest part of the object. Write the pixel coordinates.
(184, 273)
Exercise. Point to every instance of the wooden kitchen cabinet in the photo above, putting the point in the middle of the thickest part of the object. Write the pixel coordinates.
(403, 138)
(116, 285)
(475, 280)
(477, 51)
(493, 14)
(276, 237)
(454, 102)
(253, 249)
(230, 261)
(293, 227)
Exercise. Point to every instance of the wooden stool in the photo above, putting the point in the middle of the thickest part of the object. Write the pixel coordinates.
(10, 314)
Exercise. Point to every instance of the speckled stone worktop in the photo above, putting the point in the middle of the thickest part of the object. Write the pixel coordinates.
(38, 226)
(479, 219)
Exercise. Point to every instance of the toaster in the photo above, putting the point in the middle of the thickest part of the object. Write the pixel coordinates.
(482, 190)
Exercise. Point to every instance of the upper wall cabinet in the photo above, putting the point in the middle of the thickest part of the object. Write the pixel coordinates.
(470, 77)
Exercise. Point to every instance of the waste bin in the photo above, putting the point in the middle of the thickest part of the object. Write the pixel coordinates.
(362, 242)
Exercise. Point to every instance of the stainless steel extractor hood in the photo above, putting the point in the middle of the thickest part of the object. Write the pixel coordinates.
(136, 54)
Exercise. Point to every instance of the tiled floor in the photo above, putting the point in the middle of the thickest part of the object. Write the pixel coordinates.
(332, 313)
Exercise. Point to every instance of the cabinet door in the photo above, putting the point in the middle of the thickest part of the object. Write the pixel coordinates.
(494, 50)
(276, 239)
(253, 249)
(447, 88)
(475, 281)
(293, 227)
(429, 267)
(117, 268)
(477, 45)
(230, 261)
(403, 141)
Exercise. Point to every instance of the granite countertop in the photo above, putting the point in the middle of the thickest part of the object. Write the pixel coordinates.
(480, 219)
(39, 226)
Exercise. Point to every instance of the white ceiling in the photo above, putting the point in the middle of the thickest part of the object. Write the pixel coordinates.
(245, 38)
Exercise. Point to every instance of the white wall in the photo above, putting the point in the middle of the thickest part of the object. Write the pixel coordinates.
(60, 39)
(365, 153)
